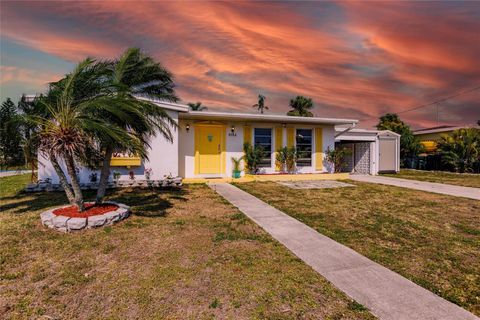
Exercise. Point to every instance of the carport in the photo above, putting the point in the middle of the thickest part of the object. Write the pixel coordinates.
(372, 151)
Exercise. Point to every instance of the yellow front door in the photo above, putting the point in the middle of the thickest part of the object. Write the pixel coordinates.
(209, 149)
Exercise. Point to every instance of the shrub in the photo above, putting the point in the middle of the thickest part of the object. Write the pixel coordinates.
(337, 157)
(460, 151)
(253, 156)
(286, 158)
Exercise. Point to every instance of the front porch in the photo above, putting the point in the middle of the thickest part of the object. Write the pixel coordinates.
(272, 177)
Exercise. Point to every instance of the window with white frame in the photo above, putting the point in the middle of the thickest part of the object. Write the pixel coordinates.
(263, 137)
(304, 147)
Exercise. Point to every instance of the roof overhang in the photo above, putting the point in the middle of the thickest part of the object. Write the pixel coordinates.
(441, 130)
(253, 117)
(166, 105)
(363, 134)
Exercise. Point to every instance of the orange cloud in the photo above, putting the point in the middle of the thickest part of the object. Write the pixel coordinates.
(354, 59)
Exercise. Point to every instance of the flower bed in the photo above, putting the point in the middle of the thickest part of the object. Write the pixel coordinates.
(90, 210)
(67, 219)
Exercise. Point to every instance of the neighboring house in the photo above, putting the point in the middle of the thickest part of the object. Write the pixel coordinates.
(205, 141)
(430, 136)
(372, 151)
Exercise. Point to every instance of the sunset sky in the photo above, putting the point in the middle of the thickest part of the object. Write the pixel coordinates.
(356, 60)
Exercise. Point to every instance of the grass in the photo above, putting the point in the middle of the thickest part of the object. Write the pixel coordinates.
(183, 254)
(433, 240)
(459, 179)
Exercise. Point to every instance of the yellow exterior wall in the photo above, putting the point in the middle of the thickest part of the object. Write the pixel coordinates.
(278, 145)
(290, 137)
(319, 149)
(125, 162)
(429, 140)
(247, 134)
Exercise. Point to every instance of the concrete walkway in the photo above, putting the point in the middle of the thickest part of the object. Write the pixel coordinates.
(13, 173)
(387, 294)
(457, 191)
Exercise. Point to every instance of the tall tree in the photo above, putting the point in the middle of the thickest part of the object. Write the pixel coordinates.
(133, 77)
(301, 107)
(260, 105)
(10, 135)
(409, 144)
(196, 106)
(69, 122)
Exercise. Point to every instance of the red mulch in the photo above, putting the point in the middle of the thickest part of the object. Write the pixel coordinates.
(90, 210)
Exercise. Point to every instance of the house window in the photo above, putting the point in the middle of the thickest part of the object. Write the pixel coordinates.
(304, 147)
(263, 138)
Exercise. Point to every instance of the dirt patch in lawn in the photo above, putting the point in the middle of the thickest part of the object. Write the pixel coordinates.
(184, 254)
(433, 240)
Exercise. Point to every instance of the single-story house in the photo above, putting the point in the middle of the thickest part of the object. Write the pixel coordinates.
(371, 151)
(205, 142)
(430, 136)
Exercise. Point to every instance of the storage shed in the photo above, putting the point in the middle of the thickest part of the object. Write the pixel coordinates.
(372, 151)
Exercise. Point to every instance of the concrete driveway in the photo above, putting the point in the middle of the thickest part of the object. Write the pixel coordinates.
(457, 191)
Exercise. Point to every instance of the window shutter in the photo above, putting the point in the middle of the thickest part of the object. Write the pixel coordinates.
(247, 134)
(278, 145)
(319, 149)
(290, 137)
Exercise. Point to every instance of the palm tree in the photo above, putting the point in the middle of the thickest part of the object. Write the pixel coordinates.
(197, 106)
(260, 105)
(101, 108)
(131, 78)
(461, 149)
(67, 127)
(301, 107)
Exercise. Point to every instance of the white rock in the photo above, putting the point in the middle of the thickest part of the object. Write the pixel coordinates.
(96, 221)
(60, 222)
(123, 212)
(46, 218)
(76, 223)
(112, 217)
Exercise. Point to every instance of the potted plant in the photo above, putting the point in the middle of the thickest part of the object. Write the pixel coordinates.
(237, 171)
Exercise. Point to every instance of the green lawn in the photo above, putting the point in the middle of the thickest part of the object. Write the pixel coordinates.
(434, 240)
(466, 180)
(184, 254)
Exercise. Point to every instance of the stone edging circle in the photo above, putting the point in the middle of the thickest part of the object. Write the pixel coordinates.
(67, 224)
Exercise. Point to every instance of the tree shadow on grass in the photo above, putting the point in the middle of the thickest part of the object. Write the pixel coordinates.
(143, 202)
(149, 203)
(24, 202)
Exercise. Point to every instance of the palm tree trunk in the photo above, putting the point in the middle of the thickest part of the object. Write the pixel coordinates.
(75, 185)
(63, 179)
(104, 174)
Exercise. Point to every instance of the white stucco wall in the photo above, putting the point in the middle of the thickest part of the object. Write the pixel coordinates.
(234, 146)
(163, 160)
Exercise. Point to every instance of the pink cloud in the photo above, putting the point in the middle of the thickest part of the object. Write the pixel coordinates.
(378, 57)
